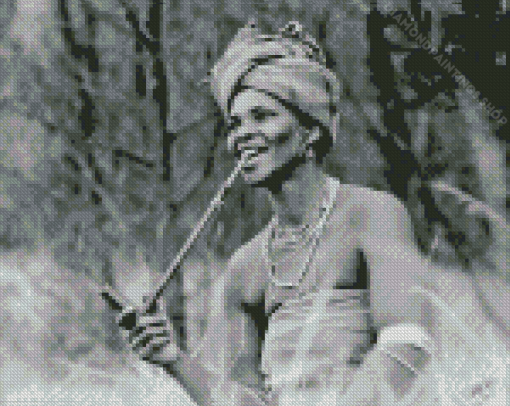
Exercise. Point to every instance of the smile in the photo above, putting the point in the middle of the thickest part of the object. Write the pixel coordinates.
(254, 154)
(253, 151)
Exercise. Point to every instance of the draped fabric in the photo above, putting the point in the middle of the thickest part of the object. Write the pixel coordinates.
(448, 364)
(312, 342)
(303, 83)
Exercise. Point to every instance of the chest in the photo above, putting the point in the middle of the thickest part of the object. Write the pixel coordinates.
(335, 262)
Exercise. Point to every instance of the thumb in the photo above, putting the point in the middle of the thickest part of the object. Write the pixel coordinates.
(169, 353)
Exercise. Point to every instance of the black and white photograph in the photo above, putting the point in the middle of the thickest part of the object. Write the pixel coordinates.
(254, 203)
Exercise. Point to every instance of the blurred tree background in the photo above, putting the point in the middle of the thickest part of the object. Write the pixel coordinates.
(110, 143)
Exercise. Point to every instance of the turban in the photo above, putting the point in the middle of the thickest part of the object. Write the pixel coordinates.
(289, 65)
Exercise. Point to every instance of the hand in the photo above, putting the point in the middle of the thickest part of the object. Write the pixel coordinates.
(149, 335)
(446, 362)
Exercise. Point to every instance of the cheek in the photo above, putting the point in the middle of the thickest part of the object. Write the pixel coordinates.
(285, 141)
(275, 129)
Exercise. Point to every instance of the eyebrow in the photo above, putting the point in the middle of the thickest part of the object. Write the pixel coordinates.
(255, 109)
(262, 108)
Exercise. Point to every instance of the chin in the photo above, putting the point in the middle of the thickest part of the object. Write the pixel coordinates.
(256, 174)
(271, 176)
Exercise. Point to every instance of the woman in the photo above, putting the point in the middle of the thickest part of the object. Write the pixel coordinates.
(279, 99)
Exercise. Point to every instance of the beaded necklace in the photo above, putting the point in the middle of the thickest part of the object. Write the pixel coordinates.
(301, 240)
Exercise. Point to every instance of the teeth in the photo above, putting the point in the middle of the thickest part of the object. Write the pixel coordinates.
(251, 151)
(254, 151)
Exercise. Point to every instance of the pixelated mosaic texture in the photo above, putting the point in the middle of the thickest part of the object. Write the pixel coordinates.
(111, 150)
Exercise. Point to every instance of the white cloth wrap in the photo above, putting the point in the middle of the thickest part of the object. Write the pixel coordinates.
(292, 72)
(319, 335)
(301, 82)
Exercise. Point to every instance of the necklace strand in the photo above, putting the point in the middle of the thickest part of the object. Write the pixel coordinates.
(311, 237)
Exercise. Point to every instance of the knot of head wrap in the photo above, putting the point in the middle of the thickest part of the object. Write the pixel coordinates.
(289, 65)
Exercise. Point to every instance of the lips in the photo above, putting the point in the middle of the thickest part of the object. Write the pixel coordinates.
(253, 150)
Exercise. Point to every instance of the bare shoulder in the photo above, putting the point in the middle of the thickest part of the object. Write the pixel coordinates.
(358, 206)
(363, 211)
(362, 196)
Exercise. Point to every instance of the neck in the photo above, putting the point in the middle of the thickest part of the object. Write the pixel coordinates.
(298, 200)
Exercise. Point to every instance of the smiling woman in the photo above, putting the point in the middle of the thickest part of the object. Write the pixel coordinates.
(267, 128)
(302, 276)
(302, 267)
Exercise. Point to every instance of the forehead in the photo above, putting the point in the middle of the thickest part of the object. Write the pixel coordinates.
(250, 98)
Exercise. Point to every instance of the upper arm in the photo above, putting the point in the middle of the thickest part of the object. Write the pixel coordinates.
(398, 270)
(388, 222)
(394, 262)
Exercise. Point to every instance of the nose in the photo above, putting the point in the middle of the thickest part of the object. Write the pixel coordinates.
(235, 139)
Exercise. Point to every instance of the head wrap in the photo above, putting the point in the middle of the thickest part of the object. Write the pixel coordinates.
(289, 65)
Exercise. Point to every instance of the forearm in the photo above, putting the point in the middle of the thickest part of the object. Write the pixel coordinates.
(454, 293)
(460, 347)
(397, 277)
(201, 370)
(397, 267)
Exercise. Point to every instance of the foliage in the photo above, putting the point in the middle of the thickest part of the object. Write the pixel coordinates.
(125, 149)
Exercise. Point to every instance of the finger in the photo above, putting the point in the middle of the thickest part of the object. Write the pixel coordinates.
(157, 345)
(146, 339)
(154, 347)
(140, 333)
(159, 331)
(136, 332)
(160, 341)
(443, 191)
(480, 208)
(152, 321)
(168, 353)
(139, 343)
(152, 317)
(155, 308)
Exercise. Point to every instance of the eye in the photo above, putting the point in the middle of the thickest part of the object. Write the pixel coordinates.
(260, 115)
(233, 123)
